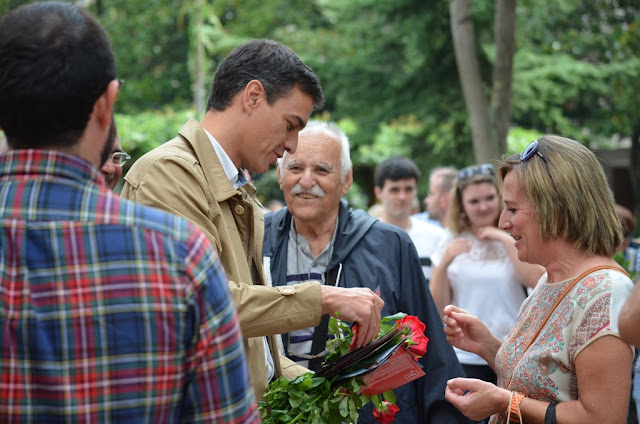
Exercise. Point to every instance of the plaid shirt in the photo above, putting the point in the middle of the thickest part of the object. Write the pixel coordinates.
(110, 312)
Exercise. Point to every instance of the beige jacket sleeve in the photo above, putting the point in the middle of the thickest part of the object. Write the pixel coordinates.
(176, 183)
(265, 311)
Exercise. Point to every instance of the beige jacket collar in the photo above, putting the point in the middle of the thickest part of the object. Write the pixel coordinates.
(211, 166)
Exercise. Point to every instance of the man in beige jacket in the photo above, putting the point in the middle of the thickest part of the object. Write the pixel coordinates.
(261, 97)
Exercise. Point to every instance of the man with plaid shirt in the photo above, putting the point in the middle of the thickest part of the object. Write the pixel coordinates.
(110, 311)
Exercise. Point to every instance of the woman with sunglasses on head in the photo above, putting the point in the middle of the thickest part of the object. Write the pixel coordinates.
(563, 361)
(476, 266)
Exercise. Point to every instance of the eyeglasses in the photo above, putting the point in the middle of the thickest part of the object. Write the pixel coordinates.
(470, 171)
(120, 158)
(532, 149)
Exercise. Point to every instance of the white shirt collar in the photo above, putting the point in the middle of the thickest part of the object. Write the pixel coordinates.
(230, 170)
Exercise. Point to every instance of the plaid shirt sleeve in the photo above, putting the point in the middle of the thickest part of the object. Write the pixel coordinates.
(218, 387)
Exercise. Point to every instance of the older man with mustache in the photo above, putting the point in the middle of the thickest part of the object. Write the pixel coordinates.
(317, 237)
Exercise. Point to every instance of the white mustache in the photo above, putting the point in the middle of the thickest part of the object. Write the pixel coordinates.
(315, 190)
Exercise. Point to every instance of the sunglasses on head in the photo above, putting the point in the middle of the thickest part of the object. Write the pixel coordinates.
(470, 171)
(532, 149)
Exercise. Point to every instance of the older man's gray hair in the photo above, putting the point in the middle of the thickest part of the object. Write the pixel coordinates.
(329, 129)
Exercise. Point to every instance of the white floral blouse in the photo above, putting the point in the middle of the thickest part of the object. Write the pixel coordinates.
(546, 371)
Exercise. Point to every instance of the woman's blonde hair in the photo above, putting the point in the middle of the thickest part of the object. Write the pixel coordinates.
(457, 219)
(569, 194)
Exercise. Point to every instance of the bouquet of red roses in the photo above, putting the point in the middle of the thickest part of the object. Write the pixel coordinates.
(350, 378)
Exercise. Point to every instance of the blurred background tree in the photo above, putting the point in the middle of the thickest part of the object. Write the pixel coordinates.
(388, 70)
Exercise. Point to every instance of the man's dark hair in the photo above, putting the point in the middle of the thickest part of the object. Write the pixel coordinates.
(394, 169)
(275, 65)
(55, 62)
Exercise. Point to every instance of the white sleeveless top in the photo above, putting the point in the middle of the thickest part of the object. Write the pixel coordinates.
(483, 282)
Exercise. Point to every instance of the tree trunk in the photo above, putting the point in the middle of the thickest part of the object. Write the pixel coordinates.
(505, 19)
(198, 71)
(473, 87)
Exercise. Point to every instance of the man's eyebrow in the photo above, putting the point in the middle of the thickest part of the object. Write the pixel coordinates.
(301, 122)
(325, 165)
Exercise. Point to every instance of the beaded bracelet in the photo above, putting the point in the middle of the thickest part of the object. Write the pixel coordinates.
(513, 411)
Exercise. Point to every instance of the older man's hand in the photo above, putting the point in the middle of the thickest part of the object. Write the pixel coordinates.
(356, 304)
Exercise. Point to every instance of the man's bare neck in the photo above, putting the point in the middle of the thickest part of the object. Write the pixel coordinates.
(218, 125)
(318, 236)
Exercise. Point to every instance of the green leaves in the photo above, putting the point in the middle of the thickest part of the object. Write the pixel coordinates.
(310, 399)
(339, 345)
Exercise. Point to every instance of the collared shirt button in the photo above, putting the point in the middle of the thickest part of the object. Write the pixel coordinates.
(239, 209)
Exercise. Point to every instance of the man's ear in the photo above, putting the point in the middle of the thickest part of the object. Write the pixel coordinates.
(252, 94)
(103, 107)
(444, 200)
(348, 180)
(279, 177)
(378, 191)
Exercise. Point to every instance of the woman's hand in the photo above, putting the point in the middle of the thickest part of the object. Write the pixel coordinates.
(528, 274)
(491, 233)
(439, 285)
(476, 399)
(455, 248)
(468, 333)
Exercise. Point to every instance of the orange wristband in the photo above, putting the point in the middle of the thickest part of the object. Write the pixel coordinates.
(514, 407)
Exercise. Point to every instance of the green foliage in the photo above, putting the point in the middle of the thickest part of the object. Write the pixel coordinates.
(6, 5)
(388, 70)
(557, 93)
(339, 345)
(268, 187)
(144, 131)
(387, 60)
(519, 138)
(309, 399)
(152, 49)
(619, 257)
(577, 69)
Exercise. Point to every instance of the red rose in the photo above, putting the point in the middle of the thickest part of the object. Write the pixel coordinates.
(417, 340)
(385, 412)
(354, 331)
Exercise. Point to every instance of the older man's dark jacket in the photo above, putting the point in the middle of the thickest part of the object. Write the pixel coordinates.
(375, 254)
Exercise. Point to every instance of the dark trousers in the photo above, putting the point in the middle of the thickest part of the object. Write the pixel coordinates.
(481, 372)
